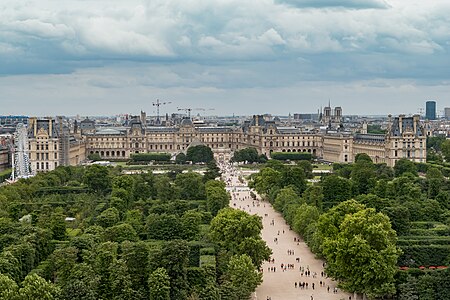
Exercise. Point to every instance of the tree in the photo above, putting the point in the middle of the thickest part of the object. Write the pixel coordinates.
(164, 227)
(8, 287)
(285, 197)
(97, 178)
(363, 174)
(81, 285)
(212, 171)
(363, 157)
(120, 233)
(249, 155)
(164, 189)
(36, 287)
(295, 177)
(267, 179)
(445, 148)
(243, 276)
(174, 257)
(336, 189)
(58, 225)
(239, 233)
(435, 181)
(108, 218)
(191, 186)
(305, 216)
(120, 281)
(399, 217)
(191, 221)
(159, 285)
(404, 166)
(307, 168)
(313, 195)
(94, 157)
(363, 254)
(216, 196)
(136, 257)
(199, 153)
(180, 159)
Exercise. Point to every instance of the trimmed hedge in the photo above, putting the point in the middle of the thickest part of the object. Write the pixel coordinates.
(291, 156)
(424, 240)
(150, 157)
(208, 251)
(424, 255)
(5, 175)
(207, 261)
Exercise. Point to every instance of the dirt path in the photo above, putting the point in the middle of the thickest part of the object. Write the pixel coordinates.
(279, 284)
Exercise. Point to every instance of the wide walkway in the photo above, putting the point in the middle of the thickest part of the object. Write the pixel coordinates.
(288, 249)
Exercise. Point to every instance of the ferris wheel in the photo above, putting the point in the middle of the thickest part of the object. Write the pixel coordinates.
(21, 166)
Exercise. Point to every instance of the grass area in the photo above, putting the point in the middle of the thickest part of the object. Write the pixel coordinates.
(324, 167)
(73, 232)
(163, 167)
(5, 172)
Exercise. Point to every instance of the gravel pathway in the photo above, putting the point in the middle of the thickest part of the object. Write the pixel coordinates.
(288, 248)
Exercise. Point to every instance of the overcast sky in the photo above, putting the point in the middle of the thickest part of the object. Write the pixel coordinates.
(102, 57)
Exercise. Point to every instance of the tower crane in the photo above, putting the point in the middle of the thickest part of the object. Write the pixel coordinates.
(158, 103)
(187, 110)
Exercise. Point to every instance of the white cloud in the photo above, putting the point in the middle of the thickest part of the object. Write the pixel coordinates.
(225, 44)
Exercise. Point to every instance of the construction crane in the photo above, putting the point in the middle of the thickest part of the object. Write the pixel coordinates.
(158, 104)
(187, 110)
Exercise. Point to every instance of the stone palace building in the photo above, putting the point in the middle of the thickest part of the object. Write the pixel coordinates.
(52, 143)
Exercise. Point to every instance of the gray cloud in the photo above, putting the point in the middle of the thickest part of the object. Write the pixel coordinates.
(352, 4)
(219, 47)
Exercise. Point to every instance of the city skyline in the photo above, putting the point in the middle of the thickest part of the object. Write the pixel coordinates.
(371, 57)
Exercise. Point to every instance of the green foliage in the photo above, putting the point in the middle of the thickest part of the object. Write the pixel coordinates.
(142, 157)
(239, 233)
(286, 196)
(159, 285)
(404, 166)
(199, 154)
(97, 178)
(180, 159)
(291, 156)
(212, 171)
(445, 148)
(336, 189)
(375, 129)
(94, 157)
(249, 155)
(306, 216)
(8, 287)
(363, 254)
(242, 276)
(191, 186)
(424, 255)
(216, 196)
(108, 218)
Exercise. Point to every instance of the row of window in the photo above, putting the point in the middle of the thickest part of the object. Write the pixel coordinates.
(45, 156)
(44, 165)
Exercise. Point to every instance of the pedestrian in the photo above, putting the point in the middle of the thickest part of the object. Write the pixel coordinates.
(328, 289)
(295, 284)
(313, 285)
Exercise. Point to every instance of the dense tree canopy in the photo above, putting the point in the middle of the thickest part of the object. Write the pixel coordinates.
(199, 153)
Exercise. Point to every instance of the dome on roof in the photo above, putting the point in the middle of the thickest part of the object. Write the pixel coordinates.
(186, 122)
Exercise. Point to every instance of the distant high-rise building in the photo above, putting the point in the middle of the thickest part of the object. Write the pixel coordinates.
(447, 113)
(430, 110)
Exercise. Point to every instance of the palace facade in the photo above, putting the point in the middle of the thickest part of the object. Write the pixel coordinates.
(52, 145)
